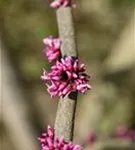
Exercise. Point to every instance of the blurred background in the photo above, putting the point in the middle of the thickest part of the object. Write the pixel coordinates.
(106, 44)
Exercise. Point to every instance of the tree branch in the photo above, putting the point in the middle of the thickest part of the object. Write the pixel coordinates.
(64, 124)
(66, 31)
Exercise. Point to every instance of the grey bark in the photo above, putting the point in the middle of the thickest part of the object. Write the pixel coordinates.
(66, 31)
(64, 124)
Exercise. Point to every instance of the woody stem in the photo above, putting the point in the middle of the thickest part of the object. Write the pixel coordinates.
(65, 118)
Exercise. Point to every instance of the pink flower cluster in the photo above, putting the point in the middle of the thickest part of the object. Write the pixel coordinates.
(61, 3)
(52, 49)
(66, 76)
(50, 142)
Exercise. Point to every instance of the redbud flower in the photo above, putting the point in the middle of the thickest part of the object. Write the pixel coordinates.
(66, 76)
(60, 3)
(52, 49)
(50, 142)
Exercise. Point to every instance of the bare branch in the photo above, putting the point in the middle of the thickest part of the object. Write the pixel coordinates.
(64, 124)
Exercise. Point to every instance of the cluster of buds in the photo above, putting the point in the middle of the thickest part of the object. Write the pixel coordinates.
(50, 142)
(52, 49)
(62, 3)
(67, 74)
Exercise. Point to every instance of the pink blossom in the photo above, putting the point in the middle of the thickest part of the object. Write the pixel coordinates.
(66, 76)
(62, 3)
(50, 142)
(52, 49)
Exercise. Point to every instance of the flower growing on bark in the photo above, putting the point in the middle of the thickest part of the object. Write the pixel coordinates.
(62, 3)
(66, 76)
(52, 49)
(50, 142)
